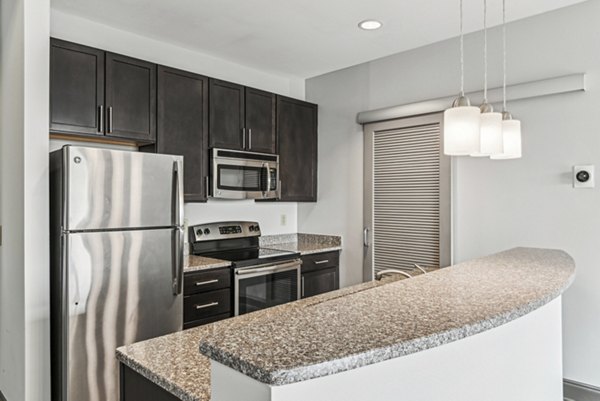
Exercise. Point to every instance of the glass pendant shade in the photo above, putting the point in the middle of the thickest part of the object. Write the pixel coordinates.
(511, 133)
(491, 142)
(461, 130)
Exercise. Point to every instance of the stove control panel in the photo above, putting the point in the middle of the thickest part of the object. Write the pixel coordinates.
(223, 230)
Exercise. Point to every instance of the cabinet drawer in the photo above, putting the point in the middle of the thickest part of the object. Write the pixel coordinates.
(209, 280)
(206, 304)
(320, 261)
(201, 322)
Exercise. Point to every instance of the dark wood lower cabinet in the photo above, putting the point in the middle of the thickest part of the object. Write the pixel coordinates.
(320, 281)
(320, 273)
(206, 297)
(135, 387)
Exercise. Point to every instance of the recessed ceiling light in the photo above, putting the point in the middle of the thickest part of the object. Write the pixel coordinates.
(369, 24)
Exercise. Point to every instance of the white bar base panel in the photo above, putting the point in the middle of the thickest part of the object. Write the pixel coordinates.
(521, 360)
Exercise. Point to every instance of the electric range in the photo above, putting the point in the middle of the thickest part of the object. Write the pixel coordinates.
(262, 276)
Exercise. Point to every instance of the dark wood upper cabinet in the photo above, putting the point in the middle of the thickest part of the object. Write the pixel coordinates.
(76, 88)
(242, 118)
(226, 115)
(297, 140)
(130, 98)
(182, 126)
(260, 121)
(95, 93)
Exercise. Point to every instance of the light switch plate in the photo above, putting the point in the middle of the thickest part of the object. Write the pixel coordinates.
(583, 176)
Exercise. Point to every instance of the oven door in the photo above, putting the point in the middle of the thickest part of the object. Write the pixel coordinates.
(244, 175)
(263, 286)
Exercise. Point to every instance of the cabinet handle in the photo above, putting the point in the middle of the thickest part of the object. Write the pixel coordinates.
(243, 138)
(302, 287)
(110, 121)
(200, 283)
(250, 139)
(207, 179)
(206, 305)
(101, 119)
(320, 262)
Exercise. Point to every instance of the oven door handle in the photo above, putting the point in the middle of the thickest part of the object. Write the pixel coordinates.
(273, 268)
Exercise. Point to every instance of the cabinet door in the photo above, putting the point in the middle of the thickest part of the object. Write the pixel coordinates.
(182, 126)
(320, 281)
(130, 98)
(260, 121)
(297, 139)
(76, 88)
(226, 115)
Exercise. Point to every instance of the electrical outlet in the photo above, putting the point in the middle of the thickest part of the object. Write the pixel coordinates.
(283, 219)
(583, 176)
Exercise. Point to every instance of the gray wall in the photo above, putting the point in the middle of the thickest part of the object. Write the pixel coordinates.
(497, 204)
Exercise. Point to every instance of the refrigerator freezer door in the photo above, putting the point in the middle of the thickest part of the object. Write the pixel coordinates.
(112, 189)
(120, 291)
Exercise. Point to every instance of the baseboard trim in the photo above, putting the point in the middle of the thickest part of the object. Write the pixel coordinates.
(2, 397)
(577, 391)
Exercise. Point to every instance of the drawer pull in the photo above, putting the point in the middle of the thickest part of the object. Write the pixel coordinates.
(200, 283)
(206, 305)
(320, 262)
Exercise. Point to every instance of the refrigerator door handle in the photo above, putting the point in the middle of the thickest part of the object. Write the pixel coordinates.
(177, 261)
(177, 202)
(177, 269)
(177, 217)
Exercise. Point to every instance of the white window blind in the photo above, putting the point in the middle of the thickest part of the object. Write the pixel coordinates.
(406, 197)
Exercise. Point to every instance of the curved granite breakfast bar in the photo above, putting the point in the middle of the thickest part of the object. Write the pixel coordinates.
(370, 324)
(393, 320)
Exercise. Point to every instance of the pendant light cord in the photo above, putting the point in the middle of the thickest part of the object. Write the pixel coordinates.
(462, 52)
(503, 55)
(485, 61)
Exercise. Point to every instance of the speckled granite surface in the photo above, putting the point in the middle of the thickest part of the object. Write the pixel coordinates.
(174, 363)
(303, 243)
(195, 263)
(391, 320)
(306, 244)
(417, 313)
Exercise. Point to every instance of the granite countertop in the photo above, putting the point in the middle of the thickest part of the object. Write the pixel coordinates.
(405, 316)
(174, 363)
(392, 320)
(194, 263)
(305, 244)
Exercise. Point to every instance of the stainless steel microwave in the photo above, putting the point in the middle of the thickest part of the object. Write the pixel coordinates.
(244, 175)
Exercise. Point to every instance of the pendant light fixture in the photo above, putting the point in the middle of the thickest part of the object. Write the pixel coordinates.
(461, 121)
(511, 128)
(491, 143)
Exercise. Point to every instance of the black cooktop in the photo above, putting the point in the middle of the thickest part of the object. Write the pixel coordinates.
(253, 256)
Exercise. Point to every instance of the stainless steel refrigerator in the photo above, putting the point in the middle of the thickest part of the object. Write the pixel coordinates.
(116, 262)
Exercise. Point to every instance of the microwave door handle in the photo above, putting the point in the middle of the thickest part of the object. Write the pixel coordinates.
(268, 169)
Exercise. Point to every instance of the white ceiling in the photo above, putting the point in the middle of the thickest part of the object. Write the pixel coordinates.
(302, 38)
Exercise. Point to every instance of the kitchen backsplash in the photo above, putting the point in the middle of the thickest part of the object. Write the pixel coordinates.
(273, 217)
